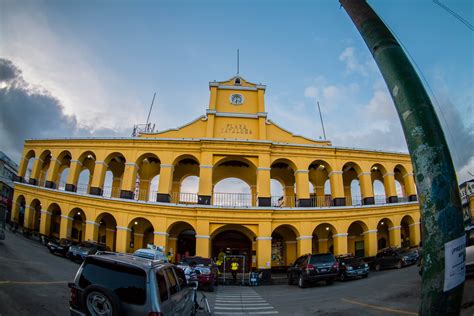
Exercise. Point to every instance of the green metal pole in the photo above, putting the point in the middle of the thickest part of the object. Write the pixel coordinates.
(441, 212)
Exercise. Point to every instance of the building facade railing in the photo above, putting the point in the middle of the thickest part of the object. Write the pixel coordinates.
(225, 199)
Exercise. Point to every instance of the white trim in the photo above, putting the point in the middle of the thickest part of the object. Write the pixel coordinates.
(130, 164)
(238, 115)
(93, 223)
(172, 238)
(341, 235)
(39, 159)
(206, 166)
(203, 236)
(110, 230)
(304, 237)
(138, 234)
(323, 240)
(408, 174)
(301, 171)
(371, 231)
(77, 162)
(67, 217)
(123, 228)
(395, 227)
(161, 233)
(364, 174)
(414, 224)
(262, 114)
(101, 163)
(263, 169)
(291, 242)
(334, 172)
(388, 174)
(236, 88)
(46, 212)
(212, 112)
(263, 238)
(164, 165)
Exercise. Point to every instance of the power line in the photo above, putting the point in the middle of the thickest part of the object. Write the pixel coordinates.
(457, 16)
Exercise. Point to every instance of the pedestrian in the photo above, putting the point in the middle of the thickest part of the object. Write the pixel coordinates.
(191, 277)
(234, 267)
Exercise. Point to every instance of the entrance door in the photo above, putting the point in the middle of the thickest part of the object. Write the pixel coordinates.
(232, 242)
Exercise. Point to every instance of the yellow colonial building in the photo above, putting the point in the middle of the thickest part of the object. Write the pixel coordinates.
(128, 192)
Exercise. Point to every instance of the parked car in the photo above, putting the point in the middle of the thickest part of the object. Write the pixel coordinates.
(311, 268)
(152, 254)
(60, 246)
(352, 267)
(121, 284)
(207, 271)
(395, 258)
(79, 252)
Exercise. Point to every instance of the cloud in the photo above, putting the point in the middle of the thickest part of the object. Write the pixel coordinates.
(29, 111)
(353, 63)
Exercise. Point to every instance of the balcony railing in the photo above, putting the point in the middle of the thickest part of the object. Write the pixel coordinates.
(224, 199)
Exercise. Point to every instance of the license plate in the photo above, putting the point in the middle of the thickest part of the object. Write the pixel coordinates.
(324, 270)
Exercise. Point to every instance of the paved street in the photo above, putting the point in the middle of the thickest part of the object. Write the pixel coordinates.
(34, 282)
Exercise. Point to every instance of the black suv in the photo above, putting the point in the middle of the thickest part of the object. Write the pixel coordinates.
(395, 258)
(311, 268)
(60, 246)
(120, 284)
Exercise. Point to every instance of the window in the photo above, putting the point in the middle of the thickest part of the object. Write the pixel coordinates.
(173, 283)
(128, 283)
(162, 286)
(181, 277)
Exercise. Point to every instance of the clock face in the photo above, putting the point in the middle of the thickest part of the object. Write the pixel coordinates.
(237, 99)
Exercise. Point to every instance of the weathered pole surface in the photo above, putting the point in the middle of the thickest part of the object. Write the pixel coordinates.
(440, 203)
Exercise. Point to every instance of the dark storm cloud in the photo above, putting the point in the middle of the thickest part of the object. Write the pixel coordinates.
(27, 112)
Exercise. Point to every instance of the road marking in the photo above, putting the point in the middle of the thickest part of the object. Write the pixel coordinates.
(386, 309)
(242, 301)
(34, 282)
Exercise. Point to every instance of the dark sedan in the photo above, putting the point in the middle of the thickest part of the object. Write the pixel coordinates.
(395, 258)
(60, 246)
(84, 249)
(352, 267)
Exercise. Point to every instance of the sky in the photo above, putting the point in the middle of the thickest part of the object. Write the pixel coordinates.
(89, 68)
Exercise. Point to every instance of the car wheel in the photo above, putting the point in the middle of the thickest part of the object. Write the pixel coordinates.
(343, 277)
(301, 282)
(399, 265)
(101, 301)
(378, 267)
(290, 280)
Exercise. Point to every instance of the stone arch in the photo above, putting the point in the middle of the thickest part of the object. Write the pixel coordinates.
(233, 192)
(322, 238)
(284, 245)
(35, 217)
(149, 166)
(318, 175)
(115, 162)
(42, 172)
(107, 231)
(83, 178)
(141, 233)
(356, 244)
(283, 170)
(351, 183)
(77, 222)
(400, 173)
(182, 239)
(233, 239)
(185, 166)
(277, 192)
(27, 166)
(53, 224)
(405, 226)
(235, 167)
(383, 233)
(19, 210)
(62, 169)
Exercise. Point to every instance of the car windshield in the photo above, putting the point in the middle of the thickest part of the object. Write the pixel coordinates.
(324, 258)
(403, 251)
(351, 260)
